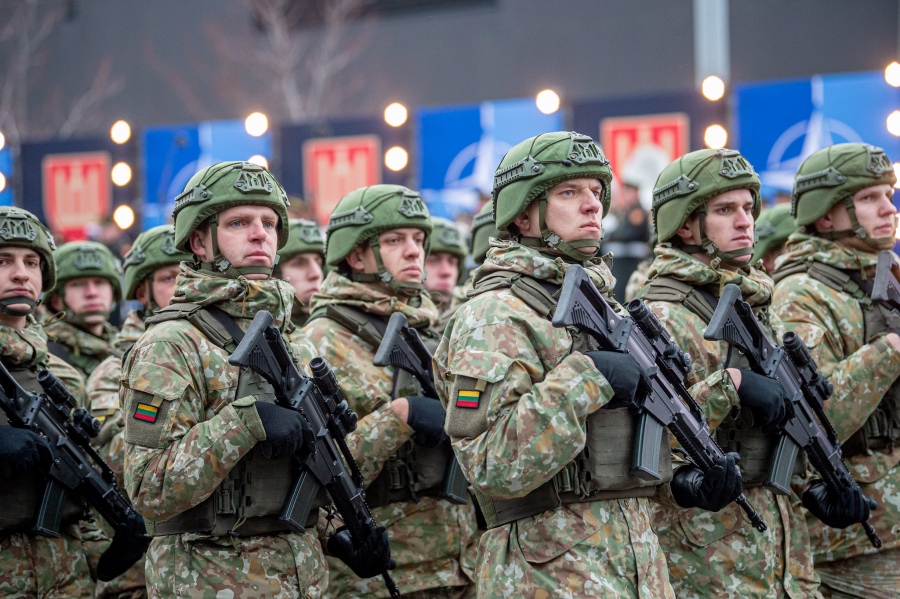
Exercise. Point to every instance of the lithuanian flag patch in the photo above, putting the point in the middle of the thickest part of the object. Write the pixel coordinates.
(467, 399)
(146, 412)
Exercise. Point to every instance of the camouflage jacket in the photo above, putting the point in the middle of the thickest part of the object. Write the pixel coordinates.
(447, 303)
(721, 554)
(84, 350)
(176, 457)
(428, 537)
(830, 322)
(535, 395)
(30, 564)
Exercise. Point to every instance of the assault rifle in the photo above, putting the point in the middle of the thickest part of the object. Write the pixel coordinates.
(668, 404)
(401, 347)
(321, 402)
(75, 463)
(806, 425)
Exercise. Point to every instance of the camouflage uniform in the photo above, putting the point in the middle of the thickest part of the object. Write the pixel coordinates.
(862, 370)
(637, 280)
(32, 565)
(199, 433)
(535, 400)
(429, 537)
(83, 350)
(721, 554)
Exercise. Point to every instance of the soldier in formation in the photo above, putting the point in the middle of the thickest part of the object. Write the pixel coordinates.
(773, 227)
(300, 263)
(445, 267)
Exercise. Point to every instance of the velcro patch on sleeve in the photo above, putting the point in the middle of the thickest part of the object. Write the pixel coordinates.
(146, 412)
(467, 411)
(468, 399)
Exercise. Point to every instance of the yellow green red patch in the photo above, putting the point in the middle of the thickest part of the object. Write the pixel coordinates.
(467, 399)
(146, 412)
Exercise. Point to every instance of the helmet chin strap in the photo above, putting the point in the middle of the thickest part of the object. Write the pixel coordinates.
(7, 303)
(220, 264)
(408, 289)
(708, 247)
(858, 231)
(571, 249)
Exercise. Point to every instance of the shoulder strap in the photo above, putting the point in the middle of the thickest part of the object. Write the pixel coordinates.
(540, 296)
(369, 327)
(204, 319)
(60, 351)
(698, 299)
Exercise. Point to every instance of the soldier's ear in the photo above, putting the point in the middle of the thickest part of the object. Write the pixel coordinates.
(355, 258)
(825, 224)
(685, 233)
(197, 242)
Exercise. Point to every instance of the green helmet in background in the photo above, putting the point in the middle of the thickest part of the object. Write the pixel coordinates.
(154, 248)
(773, 227)
(362, 215)
(21, 228)
(535, 165)
(78, 259)
(445, 237)
(219, 187)
(688, 183)
(834, 174)
(305, 236)
(483, 228)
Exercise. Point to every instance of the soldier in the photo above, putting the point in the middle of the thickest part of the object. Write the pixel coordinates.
(774, 226)
(209, 456)
(522, 396)
(33, 565)
(300, 263)
(151, 267)
(89, 281)
(704, 208)
(445, 266)
(842, 203)
(377, 242)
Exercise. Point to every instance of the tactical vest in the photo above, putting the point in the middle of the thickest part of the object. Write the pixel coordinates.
(755, 447)
(882, 429)
(250, 499)
(602, 471)
(84, 363)
(21, 497)
(413, 471)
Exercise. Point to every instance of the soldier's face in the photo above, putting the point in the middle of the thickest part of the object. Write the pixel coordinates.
(402, 253)
(729, 224)
(247, 236)
(304, 273)
(162, 285)
(574, 212)
(20, 275)
(875, 211)
(89, 294)
(443, 271)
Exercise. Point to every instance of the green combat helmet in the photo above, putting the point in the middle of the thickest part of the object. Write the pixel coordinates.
(78, 259)
(154, 248)
(687, 184)
(21, 228)
(445, 237)
(833, 175)
(305, 236)
(219, 187)
(483, 228)
(773, 227)
(362, 215)
(535, 165)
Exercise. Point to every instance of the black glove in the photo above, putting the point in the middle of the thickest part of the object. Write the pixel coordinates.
(287, 433)
(627, 378)
(426, 416)
(128, 545)
(22, 451)
(711, 491)
(850, 507)
(763, 400)
(369, 559)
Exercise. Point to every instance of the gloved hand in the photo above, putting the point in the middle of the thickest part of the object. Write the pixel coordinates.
(426, 416)
(849, 508)
(763, 400)
(627, 378)
(287, 433)
(711, 491)
(369, 559)
(128, 545)
(21, 451)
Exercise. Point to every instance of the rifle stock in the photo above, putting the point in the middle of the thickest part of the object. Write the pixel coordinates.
(668, 404)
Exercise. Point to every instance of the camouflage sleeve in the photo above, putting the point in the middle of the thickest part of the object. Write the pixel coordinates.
(94, 541)
(514, 419)
(70, 378)
(178, 451)
(827, 322)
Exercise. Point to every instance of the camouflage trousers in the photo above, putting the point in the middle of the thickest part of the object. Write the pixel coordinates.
(598, 549)
(874, 576)
(35, 566)
(282, 566)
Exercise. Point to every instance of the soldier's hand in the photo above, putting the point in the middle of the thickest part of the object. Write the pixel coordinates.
(711, 491)
(763, 400)
(287, 433)
(628, 380)
(22, 451)
(128, 545)
(850, 507)
(370, 559)
(426, 416)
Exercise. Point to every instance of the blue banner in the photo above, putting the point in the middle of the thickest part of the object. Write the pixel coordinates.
(6, 171)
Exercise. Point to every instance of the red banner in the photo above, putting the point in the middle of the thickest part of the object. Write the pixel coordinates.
(77, 191)
(335, 166)
(621, 136)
